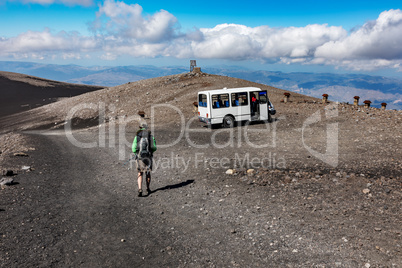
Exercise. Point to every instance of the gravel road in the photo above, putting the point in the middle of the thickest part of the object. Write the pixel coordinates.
(78, 208)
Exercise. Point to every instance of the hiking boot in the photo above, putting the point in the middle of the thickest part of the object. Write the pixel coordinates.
(139, 193)
(149, 191)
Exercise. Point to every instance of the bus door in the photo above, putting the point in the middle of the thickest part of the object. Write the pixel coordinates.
(258, 107)
(263, 105)
(254, 105)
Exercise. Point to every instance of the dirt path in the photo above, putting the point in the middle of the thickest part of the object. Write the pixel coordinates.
(75, 209)
(79, 209)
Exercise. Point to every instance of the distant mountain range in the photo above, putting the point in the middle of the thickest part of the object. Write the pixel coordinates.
(340, 87)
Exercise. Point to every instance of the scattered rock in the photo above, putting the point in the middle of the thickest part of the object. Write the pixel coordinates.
(21, 154)
(250, 171)
(377, 229)
(6, 182)
(26, 168)
(366, 191)
(230, 171)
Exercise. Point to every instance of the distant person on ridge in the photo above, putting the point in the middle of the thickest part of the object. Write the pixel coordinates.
(144, 145)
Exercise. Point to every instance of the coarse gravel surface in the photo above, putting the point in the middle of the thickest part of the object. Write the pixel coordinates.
(260, 195)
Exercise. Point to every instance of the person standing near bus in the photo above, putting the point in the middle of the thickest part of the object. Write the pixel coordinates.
(253, 104)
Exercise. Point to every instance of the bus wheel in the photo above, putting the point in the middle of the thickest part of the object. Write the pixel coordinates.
(228, 121)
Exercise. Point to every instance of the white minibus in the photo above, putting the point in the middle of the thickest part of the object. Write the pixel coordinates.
(228, 106)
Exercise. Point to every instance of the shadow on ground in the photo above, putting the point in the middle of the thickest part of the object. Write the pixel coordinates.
(174, 186)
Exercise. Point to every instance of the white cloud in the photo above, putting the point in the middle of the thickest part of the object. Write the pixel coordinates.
(231, 41)
(127, 21)
(123, 29)
(376, 44)
(37, 43)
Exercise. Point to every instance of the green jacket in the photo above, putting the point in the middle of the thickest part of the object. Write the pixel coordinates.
(152, 145)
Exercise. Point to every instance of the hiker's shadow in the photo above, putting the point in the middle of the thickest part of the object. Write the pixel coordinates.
(174, 186)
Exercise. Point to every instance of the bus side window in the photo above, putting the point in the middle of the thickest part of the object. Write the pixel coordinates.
(239, 99)
(220, 100)
(235, 100)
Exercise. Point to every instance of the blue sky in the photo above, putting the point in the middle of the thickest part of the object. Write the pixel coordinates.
(334, 36)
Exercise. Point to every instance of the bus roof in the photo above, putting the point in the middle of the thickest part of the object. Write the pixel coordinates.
(230, 90)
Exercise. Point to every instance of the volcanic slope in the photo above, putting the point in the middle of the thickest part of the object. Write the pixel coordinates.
(21, 92)
(168, 104)
(127, 99)
(320, 186)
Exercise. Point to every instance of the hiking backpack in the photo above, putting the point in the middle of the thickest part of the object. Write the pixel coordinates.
(144, 144)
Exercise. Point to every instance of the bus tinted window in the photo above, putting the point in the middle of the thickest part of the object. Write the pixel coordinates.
(202, 100)
(239, 99)
(220, 101)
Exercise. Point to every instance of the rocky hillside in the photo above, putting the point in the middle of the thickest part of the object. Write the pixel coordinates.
(126, 100)
(303, 122)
